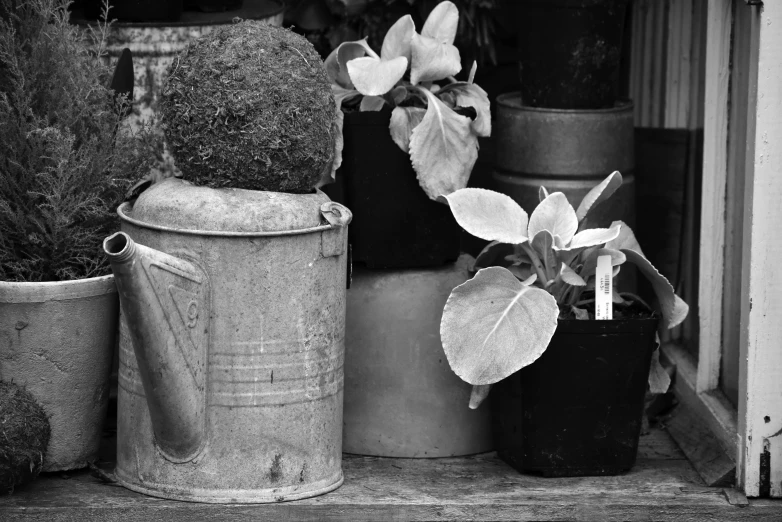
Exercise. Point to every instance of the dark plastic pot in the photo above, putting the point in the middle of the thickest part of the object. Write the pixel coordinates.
(395, 224)
(577, 410)
(213, 6)
(569, 52)
(136, 10)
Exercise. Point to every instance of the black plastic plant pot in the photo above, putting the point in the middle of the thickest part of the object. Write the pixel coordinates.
(395, 224)
(569, 52)
(577, 410)
(136, 10)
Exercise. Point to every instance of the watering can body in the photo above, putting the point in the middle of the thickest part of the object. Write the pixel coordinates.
(231, 343)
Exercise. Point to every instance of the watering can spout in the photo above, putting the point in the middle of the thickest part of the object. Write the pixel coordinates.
(164, 302)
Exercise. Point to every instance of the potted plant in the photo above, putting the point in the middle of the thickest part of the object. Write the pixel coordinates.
(570, 394)
(64, 165)
(410, 134)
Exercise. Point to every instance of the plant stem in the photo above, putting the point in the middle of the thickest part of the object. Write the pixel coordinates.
(539, 268)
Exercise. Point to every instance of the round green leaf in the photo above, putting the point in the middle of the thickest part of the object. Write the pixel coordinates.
(493, 325)
(489, 215)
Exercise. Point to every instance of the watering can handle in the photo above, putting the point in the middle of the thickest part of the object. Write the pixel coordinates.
(333, 241)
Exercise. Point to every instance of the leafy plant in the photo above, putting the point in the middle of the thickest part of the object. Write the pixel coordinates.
(537, 270)
(437, 125)
(64, 159)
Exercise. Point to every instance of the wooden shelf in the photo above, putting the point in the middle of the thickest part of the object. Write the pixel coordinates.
(662, 486)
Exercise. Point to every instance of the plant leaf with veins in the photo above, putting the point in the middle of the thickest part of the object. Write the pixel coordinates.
(371, 103)
(570, 277)
(598, 194)
(335, 64)
(556, 215)
(488, 215)
(443, 149)
(672, 307)
(403, 121)
(592, 237)
(493, 325)
(434, 56)
(470, 95)
(397, 41)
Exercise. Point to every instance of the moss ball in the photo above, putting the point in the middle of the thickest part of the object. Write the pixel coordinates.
(24, 436)
(249, 106)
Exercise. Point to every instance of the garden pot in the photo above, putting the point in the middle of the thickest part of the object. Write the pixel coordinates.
(396, 224)
(577, 410)
(569, 52)
(401, 397)
(136, 10)
(57, 341)
(567, 151)
(213, 6)
(155, 46)
(231, 343)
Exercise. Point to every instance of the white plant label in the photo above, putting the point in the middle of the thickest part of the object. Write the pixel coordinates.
(604, 289)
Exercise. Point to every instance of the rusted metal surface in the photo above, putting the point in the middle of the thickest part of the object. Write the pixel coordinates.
(569, 151)
(248, 314)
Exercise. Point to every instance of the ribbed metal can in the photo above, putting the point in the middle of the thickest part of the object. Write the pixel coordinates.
(567, 151)
(231, 343)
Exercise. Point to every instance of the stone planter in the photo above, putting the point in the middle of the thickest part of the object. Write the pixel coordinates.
(57, 340)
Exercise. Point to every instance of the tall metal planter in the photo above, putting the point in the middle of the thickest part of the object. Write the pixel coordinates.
(569, 151)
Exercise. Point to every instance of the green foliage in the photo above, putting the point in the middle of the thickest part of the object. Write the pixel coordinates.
(64, 159)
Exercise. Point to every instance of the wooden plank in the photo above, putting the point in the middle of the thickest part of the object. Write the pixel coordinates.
(657, 101)
(712, 407)
(715, 132)
(481, 487)
(672, 63)
(646, 77)
(636, 55)
(736, 497)
(697, 68)
(760, 385)
(701, 447)
(685, 63)
(734, 202)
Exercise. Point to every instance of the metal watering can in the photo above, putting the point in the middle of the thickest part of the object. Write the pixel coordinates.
(231, 343)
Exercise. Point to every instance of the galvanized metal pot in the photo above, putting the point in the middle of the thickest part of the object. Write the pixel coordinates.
(567, 151)
(401, 397)
(57, 340)
(231, 343)
(156, 45)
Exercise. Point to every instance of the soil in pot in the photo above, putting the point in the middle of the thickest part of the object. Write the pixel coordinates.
(395, 224)
(577, 410)
(569, 52)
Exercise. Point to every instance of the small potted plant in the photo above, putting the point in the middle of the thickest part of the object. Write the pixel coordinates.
(570, 394)
(410, 133)
(64, 165)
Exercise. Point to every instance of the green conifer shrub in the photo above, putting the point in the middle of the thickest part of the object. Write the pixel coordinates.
(65, 160)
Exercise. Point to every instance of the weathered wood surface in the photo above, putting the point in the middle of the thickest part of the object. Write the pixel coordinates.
(715, 165)
(662, 486)
(702, 448)
(760, 385)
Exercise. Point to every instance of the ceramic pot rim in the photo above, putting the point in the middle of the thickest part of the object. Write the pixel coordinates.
(41, 292)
